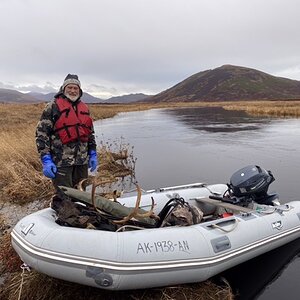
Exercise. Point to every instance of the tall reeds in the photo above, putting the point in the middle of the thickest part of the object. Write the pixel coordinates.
(282, 109)
(20, 172)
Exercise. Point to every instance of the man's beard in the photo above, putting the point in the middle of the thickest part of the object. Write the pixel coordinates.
(71, 97)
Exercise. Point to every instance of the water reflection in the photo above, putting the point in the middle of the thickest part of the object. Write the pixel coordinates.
(267, 276)
(217, 119)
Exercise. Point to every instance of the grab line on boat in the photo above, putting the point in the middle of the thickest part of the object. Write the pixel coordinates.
(223, 229)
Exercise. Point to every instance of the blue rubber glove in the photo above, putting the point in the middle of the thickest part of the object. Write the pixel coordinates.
(93, 161)
(49, 168)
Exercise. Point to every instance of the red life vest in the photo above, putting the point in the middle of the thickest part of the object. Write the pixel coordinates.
(72, 126)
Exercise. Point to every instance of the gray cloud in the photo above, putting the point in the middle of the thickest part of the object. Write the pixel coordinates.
(141, 45)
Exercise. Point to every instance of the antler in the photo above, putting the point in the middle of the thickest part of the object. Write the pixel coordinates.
(79, 185)
(135, 212)
(94, 186)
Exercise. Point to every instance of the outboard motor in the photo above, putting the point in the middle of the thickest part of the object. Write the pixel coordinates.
(251, 183)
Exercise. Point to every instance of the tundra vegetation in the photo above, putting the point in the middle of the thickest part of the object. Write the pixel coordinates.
(22, 182)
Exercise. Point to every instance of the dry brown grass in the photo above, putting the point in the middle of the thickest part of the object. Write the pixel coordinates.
(41, 287)
(267, 108)
(21, 179)
(20, 174)
(10, 262)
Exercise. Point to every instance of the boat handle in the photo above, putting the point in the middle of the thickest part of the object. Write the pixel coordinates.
(217, 226)
(223, 244)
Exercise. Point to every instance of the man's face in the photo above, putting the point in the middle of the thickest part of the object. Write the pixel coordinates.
(72, 91)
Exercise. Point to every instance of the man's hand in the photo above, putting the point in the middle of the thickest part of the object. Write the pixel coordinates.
(49, 167)
(93, 161)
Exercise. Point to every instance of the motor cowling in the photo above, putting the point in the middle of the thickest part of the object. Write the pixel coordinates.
(251, 183)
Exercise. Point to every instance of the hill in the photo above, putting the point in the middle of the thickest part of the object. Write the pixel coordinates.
(7, 95)
(127, 98)
(230, 82)
(88, 98)
(13, 96)
(48, 97)
(34, 97)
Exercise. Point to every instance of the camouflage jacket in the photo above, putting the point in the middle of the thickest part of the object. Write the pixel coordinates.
(48, 141)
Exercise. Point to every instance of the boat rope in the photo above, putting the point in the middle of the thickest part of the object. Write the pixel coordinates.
(24, 268)
(271, 210)
(122, 228)
(212, 192)
(226, 230)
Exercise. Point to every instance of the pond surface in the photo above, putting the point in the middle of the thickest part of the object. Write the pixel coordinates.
(180, 146)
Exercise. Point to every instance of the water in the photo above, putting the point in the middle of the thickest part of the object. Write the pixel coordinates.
(189, 145)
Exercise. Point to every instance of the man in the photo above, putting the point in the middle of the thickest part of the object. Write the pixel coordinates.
(65, 137)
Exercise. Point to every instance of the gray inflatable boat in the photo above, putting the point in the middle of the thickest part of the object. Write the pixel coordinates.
(153, 257)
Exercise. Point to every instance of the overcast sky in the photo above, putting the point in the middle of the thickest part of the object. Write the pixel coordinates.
(129, 46)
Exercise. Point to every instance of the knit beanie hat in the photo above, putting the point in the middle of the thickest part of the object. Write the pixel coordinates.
(70, 79)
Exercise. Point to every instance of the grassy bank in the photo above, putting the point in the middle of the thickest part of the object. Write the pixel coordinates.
(282, 109)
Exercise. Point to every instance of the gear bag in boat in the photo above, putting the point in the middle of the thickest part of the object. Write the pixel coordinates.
(178, 212)
(73, 214)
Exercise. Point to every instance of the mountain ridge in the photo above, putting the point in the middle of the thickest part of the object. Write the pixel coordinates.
(230, 82)
(13, 96)
(225, 83)
(134, 97)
